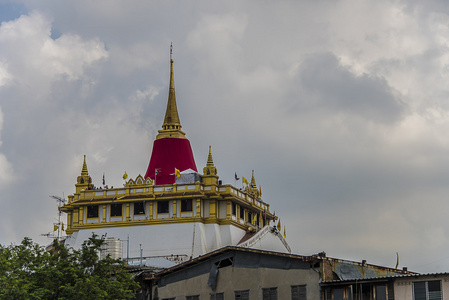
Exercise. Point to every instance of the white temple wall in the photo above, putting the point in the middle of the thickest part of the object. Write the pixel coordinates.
(206, 208)
(222, 209)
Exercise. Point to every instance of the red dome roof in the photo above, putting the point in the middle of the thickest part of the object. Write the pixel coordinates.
(168, 154)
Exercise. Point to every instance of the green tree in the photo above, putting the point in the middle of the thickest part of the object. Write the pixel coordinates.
(28, 271)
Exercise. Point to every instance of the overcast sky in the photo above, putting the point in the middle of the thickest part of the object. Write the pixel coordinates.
(341, 108)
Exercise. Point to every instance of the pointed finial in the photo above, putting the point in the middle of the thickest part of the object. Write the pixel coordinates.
(210, 162)
(210, 171)
(253, 181)
(171, 126)
(84, 170)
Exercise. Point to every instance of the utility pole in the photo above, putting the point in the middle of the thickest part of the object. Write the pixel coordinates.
(127, 250)
(140, 245)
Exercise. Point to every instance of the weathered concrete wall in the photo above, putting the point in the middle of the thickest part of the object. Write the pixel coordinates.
(403, 287)
(231, 279)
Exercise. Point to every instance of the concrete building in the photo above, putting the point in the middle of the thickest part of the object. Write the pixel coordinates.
(398, 287)
(243, 273)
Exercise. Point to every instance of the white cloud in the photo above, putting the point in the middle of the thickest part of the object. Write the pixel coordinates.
(7, 175)
(4, 75)
(339, 106)
(6, 172)
(69, 55)
(35, 60)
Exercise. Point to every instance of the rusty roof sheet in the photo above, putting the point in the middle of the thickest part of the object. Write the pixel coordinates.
(383, 278)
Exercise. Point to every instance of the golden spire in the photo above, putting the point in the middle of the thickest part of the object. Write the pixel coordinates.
(253, 187)
(172, 125)
(253, 181)
(210, 162)
(210, 171)
(84, 170)
(84, 181)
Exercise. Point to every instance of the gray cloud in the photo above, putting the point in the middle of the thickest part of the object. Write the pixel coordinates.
(339, 107)
(336, 88)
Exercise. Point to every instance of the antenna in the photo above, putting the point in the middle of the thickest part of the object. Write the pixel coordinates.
(61, 201)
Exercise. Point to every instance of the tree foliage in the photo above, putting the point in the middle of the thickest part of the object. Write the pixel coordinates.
(28, 271)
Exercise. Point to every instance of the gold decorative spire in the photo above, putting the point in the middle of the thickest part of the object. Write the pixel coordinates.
(253, 181)
(84, 170)
(172, 125)
(210, 161)
(253, 187)
(210, 171)
(84, 181)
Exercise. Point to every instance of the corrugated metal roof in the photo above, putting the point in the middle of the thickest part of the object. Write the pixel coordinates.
(294, 256)
(385, 277)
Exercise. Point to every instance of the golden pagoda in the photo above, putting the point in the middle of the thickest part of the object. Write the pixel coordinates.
(172, 210)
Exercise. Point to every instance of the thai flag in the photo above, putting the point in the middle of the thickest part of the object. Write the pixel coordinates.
(103, 180)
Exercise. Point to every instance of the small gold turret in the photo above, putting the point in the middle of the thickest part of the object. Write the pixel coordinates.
(172, 126)
(84, 171)
(210, 171)
(253, 187)
(84, 181)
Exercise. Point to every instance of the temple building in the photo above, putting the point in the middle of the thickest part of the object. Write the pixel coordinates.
(172, 211)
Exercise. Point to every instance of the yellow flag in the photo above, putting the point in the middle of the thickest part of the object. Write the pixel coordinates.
(55, 227)
(62, 226)
(125, 176)
(244, 180)
(279, 225)
(254, 219)
(177, 173)
(285, 233)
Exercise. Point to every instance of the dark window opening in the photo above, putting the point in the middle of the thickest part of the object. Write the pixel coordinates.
(92, 211)
(427, 290)
(270, 293)
(381, 292)
(116, 210)
(434, 286)
(217, 296)
(234, 209)
(163, 207)
(139, 208)
(194, 297)
(366, 292)
(299, 292)
(339, 294)
(186, 205)
(242, 213)
(242, 295)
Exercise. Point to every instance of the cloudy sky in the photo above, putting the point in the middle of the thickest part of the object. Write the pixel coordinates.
(341, 107)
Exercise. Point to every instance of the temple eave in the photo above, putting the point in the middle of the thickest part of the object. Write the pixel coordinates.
(170, 134)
